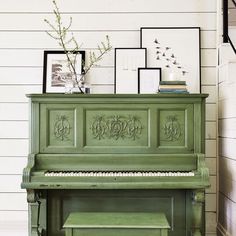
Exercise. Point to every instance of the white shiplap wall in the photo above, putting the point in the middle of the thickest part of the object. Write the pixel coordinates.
(22, 41)
(227, 141)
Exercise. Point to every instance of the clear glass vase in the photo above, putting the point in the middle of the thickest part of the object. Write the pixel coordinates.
(77, 85)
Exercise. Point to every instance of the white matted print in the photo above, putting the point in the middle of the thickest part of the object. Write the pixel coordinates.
(127, 62)
(148, 80)
(176, 51)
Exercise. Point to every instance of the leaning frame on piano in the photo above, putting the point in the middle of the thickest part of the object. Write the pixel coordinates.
(117, 153)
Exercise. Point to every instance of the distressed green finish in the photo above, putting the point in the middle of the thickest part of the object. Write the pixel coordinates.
(94, 125)
(160, 132)
(116, 224)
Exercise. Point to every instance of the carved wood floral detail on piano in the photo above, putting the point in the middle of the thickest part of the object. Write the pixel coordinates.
(172, 128)
(62, 128)
(116, 127)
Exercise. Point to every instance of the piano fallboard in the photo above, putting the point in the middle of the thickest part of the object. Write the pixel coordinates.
(125, 171)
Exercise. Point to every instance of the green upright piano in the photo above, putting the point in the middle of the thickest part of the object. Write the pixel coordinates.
(116, 155)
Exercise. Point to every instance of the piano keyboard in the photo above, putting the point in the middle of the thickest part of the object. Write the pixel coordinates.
(115, 173)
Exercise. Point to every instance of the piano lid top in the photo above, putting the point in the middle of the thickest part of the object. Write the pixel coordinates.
(158, 95)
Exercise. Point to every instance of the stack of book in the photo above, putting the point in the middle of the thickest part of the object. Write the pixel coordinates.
(175, 86)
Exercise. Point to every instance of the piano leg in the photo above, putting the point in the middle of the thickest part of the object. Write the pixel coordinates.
(198, 205)
(37, 212)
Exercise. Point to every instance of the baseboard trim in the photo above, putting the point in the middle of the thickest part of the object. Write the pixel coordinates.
(221, 231)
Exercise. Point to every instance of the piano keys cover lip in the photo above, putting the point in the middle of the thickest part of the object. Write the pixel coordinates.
(200, 180)
(198, 184)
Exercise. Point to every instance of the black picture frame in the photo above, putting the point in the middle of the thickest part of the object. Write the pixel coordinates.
(127, 62)
(149, 79)
(184, 43)
(56, 59)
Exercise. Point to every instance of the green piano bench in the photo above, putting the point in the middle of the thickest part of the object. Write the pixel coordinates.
(116, 224)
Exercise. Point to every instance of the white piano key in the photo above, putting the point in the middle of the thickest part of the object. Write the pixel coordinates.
(118, 174)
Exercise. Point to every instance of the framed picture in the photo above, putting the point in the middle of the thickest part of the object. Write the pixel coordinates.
(148, 80)
(127, 62)
(56, 71)
(176, 51)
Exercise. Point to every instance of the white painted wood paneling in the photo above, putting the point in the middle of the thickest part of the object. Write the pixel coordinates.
(227, 214)
(14, 111)
(14, 147)
(226, 90)
(228, 167)
(211, 112)
(110, 21)
(19, 92)
(34, 58)
(100, 75)
(14, 129)
(39, 40)
(210, 130)
(211, 147)
(211, 202)
(21, 58)
(223, 73)
(21, 75)
(210, 222)
(227, 141)
(208, 76)
(211, 90)
(111, 6)
(232, 28)
(227, 147)
(102, 89)
(227, 127)
(18, 229)
(227, 108)
(226, 53)
(208, 57)
(208, 39)
(212, 188)
(211, 164)
(23, 40)
(12, 165)
(227, 187)
(10, 183)
(13, 202)
(13, 223)
(227, 71)
(34, 75)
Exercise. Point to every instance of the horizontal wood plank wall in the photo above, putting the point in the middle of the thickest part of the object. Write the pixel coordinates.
(23, 40)
(227, 150)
